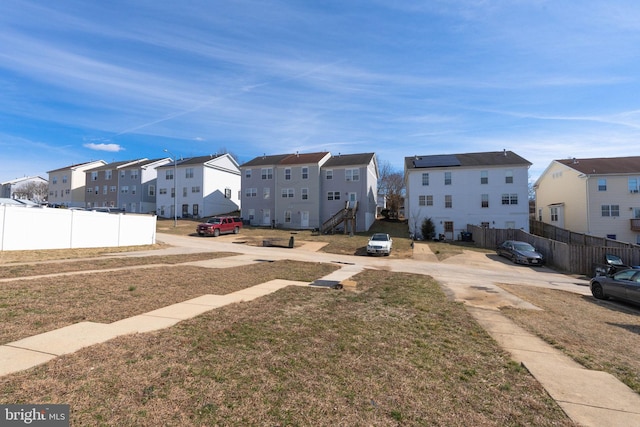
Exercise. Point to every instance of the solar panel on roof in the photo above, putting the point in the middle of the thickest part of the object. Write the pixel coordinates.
(437, 161)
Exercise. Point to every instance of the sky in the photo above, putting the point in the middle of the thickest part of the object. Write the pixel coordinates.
(117, 80)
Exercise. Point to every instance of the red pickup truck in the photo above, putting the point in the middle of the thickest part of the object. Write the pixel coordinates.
(219, 225)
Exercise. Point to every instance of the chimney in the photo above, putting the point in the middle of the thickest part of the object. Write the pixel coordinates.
(504, 151)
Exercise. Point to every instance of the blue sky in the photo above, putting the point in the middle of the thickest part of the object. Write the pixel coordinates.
(116, 80)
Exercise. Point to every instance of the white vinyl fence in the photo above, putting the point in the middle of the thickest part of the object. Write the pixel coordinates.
(23, 228)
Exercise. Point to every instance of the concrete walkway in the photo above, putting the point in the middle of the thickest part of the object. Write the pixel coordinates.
(589, 398)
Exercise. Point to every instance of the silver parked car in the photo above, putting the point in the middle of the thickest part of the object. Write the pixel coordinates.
(520, 252)
(624, 285)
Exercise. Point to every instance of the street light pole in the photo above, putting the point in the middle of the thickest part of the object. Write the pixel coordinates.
(175, 188)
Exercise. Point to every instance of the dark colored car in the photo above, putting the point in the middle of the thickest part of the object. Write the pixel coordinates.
(624, 285)
(612, 265)
(520, 252)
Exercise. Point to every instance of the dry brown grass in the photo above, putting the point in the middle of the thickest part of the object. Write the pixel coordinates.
(57, 267)
(397, 352)
(8, 257)
(600, 335)
(29, 307)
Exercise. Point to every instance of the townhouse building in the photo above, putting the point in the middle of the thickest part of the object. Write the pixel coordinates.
(352, 179)
(594, 196)
(102, 184)
(283, 190)
(206, 186)
(305, 190)
(67, 185)
(488, 189)
(137, 182)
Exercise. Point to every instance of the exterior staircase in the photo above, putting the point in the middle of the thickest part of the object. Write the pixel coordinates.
(346, 215)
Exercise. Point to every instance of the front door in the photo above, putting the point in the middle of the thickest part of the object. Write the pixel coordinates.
(448, 230)
(266, 217)
(304, 219)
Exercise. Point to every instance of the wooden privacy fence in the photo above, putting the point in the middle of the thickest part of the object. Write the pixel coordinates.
(577, 256)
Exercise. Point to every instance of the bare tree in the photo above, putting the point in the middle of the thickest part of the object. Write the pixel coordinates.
(34, 191)
(391, 186)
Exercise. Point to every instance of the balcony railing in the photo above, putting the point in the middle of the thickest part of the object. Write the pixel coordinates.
(635, 224)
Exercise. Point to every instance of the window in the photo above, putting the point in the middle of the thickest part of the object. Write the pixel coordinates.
(425, 179)
(122, 174)
(94, 176)
(188, 173)
(610, 210)
(108, 174)
(485, 201)
(602, 184)
(54, 180)
(267, 173)
(134, 174)
(124, 189)
(173, 192)
(152, 190)
(287, 192)
(64, 179)
(510, 199)
(287, 174)
(448, 226)
(227, 193)
(305, 193)
(89, 190)
(169, 174)
(305, 172)
(95, 190)
(252, 214)
(247, 173)
(266, 193)
(508, 177)
(448, 201)
(554, 214)
(163, 191)
(333, 195)
(251, 192)
(352, 174)
(133, 189)
(328, 174)
(633, 185)
(287, 216)
(484, 177)
(104, 189)
(195, 189)
(67, 191)
(112, 189)
(447, 178)
(425, 200)
(184, 193)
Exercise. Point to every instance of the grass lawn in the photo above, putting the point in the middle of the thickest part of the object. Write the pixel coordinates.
(396, 352)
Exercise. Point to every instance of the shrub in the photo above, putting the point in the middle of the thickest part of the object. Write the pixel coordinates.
(428, 229)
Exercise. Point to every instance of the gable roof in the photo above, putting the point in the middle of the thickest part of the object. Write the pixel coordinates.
(117, 165)
(604, 165)
(265, 160)
(77, 165)
(349, 160)
(489, 158)
(287, 159)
